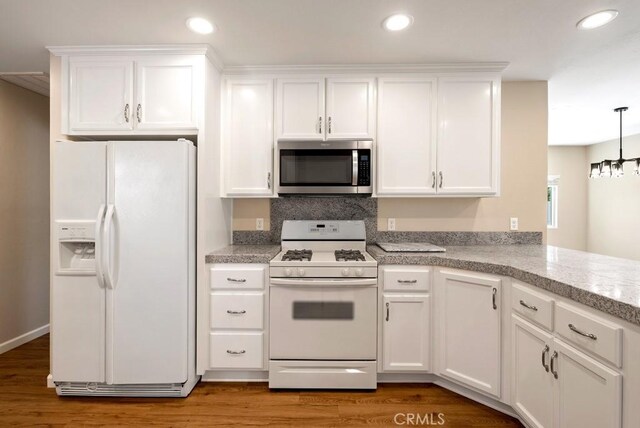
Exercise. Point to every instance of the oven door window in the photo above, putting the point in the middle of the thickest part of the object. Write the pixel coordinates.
(316, 167)
(322, 310)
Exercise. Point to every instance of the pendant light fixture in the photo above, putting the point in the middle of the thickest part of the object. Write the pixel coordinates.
(614, 168)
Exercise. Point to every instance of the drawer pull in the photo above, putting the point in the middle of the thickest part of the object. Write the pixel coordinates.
(229, 351)
(407, 281)
(236, 312)
(236, 280)
(387, 311)
(545, 352)
(553, 370)
(494, 292)
(582, 333)
(528, 306)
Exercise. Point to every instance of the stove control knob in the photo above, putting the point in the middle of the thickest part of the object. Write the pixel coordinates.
(301, 272)
(288, 272)
(345, 272)
(359, 272)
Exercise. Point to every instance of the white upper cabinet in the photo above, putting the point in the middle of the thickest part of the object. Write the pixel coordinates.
(469, 338)
(100, 94)
(165, 93)
(309, 109)
(350, 108)
(300, 109)
(468, 135)
(128, 95)
(248, 137)
(406, 136)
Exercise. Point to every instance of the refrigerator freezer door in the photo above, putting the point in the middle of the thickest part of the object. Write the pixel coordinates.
(77, 302)
(148, 261)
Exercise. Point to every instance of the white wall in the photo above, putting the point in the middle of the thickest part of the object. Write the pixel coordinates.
(570, 164)
(24, 213)
(614, 204)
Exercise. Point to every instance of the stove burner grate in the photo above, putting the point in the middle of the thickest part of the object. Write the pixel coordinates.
(297, 256)
(349, 256)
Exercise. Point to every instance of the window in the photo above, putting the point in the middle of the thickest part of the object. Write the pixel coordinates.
(552, 201)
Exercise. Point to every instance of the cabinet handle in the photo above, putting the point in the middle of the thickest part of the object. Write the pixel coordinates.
(387, 311)
(441, 179)
(269, 180)
(320, 125)
(582, 333)
(528, 306)
(236, 312)
(553, 370)
(545, 352)
(126, 112)
(493, 298)
(229, 351)
(138, 112)
(236, 280)
(407, 281)
(329, 125)
(433, 179)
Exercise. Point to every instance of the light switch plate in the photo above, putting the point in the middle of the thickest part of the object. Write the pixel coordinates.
(391, 224)
(259, 224)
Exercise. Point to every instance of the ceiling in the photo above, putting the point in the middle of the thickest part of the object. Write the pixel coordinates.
(589, 72)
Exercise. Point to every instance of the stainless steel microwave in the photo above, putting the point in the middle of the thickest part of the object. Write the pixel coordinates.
(325, 167)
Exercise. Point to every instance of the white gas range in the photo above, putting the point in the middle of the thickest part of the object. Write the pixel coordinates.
(323, 307)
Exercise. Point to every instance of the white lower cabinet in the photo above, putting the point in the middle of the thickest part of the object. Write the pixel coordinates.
(406, 332)
(238, 317)
(468, 331)
(556, 385)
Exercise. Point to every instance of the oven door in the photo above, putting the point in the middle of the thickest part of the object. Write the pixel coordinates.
(324, 167)
(322, 319)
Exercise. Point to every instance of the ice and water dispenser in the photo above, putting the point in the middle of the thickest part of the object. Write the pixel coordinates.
(76, 248)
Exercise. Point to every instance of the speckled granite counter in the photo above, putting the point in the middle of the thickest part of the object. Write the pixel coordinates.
(243, 254)
(608, 284)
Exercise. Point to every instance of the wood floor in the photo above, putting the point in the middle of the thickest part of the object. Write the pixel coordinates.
(25, 400)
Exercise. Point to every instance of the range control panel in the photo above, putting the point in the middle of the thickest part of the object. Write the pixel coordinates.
(324, 228)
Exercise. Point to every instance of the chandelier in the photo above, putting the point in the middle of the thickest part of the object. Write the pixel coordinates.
(614, 168)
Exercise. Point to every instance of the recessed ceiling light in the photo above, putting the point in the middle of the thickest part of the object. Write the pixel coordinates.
(397, 22)
(200, 25)
(597, 19)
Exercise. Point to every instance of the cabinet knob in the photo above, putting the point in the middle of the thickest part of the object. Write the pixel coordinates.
(320, 125)
(329, 125)
(139, 113)
(269, 180)
(545, 352)
(441, 179)
(553, 359)
(126, 113)
(433, 179)
(494, 292)
(387, 311)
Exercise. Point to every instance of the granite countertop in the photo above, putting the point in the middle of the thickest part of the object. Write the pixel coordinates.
(608, 284)
(243, 254)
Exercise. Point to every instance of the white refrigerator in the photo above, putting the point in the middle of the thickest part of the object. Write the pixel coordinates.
(123, 268)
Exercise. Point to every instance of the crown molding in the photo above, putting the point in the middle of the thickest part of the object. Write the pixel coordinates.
(486, 67)
(177, 49)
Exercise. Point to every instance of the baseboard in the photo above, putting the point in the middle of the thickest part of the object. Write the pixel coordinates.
(21, 340)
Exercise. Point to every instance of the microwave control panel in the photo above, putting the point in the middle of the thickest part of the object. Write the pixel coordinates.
(364, 167)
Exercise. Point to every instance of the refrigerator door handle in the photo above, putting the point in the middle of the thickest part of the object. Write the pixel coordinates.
(98, 246)
(107, 239)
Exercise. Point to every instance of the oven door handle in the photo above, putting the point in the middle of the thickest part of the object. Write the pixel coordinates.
(298, 282)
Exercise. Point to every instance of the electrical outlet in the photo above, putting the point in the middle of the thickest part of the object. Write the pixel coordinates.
(259, 224)
(391, 224)
(514, 223)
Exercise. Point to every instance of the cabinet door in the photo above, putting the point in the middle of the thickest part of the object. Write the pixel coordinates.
(100, 95)
(469, 308)
(406, 136)
(532, 381)
(165, 93)
(350, 108)
(406, 332)
(588, 393)
(300, 109)
(468, 135)
(249, 137)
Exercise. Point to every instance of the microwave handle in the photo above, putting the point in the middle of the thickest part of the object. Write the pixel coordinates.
(354, 175)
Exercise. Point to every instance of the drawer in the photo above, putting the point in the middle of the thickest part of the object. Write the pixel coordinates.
(532, 305)
(236, 350)
(589, 332)
(238, 277)
(237, 310)
(406, 278)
